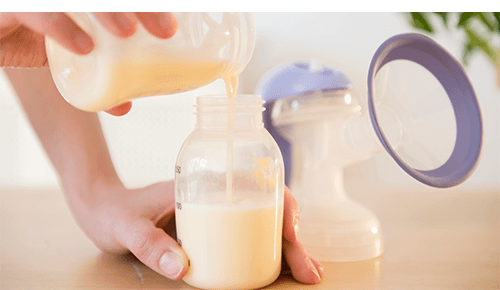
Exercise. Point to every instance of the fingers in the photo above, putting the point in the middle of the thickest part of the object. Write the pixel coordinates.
(8, 24)
(161, 24)
(290, 217)
(319, 266)
(304, 268)
(141, 235)
(121, 24)
(124, 24)
(155, 249)
(60, 28)
(120, 110)
(22, 48)
(159, 202)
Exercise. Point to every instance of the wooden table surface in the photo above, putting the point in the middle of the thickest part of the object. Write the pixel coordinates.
(434, 239)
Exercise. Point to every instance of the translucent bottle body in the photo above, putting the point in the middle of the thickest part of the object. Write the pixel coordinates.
(204, 48)
(230, 231)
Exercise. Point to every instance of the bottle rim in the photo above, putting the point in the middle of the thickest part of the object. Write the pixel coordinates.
(222, 104)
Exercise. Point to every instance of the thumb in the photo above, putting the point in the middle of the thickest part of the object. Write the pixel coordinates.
(155, 249)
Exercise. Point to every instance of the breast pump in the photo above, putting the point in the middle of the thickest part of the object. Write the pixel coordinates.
(421, 108)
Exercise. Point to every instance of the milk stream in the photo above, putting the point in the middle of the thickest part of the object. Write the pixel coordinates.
(231, 88)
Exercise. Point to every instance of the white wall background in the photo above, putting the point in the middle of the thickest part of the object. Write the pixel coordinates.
(144, 143)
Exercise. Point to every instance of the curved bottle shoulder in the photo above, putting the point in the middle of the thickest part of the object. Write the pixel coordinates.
(254, 136)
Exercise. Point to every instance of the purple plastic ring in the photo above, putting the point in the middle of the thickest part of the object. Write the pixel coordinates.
(451, 75)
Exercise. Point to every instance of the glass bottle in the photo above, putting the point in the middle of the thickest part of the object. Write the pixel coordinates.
(229, 191)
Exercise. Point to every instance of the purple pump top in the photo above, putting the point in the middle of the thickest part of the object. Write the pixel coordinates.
(294, 79)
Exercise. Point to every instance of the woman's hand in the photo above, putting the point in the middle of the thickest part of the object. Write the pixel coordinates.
(118, 220)
(305, 269)
(22, 36)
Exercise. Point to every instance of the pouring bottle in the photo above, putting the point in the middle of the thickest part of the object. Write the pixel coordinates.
(206, 46)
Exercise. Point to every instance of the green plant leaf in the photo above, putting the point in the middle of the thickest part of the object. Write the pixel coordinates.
(482, 17)
(476, 41)
(497, 17)
(467, 52)
(464, 17)
(444, 17)
(420, 21)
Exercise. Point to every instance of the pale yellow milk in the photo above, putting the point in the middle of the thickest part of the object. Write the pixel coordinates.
(131, 79)
(230, 246)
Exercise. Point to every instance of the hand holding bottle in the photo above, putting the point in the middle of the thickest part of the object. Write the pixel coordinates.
(22, 36)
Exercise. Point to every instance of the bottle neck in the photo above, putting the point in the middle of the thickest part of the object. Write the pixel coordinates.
(221, 113)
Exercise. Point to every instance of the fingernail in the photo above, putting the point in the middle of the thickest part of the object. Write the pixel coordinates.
(314, 270)
(296, 226)
(321, 270)
(171, 264)
(83, 42)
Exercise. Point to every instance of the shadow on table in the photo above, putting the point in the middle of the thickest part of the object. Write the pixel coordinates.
(125, 271)
(122, 271)
(349, 275)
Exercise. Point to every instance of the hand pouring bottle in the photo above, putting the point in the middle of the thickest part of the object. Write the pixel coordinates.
(205, 47)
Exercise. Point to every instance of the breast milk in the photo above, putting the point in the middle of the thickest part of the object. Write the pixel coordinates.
(139, 78)
(230, 246)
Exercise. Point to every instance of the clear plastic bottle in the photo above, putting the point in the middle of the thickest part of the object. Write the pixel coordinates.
(206, 46)
(229, 191)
